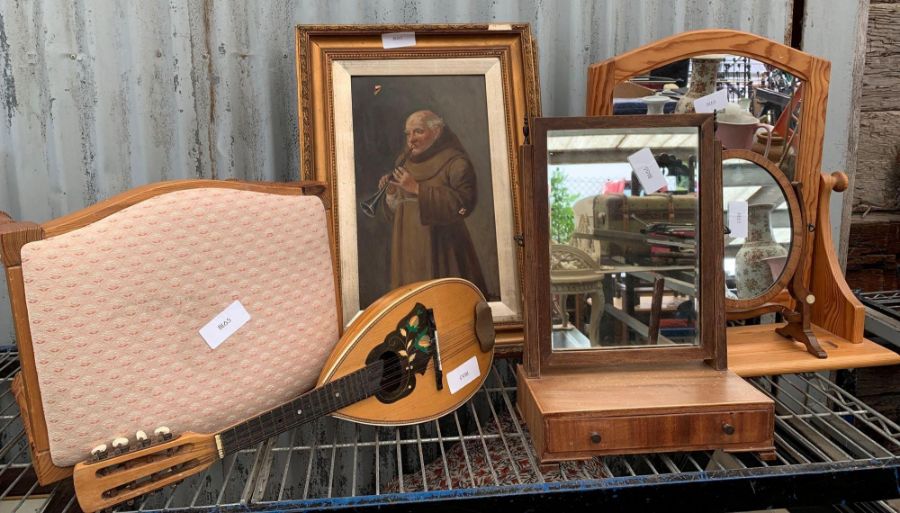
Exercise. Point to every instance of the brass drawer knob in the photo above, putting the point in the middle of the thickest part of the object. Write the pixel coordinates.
(595, 437)
(727, 428)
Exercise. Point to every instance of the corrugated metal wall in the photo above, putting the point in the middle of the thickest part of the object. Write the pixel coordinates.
(100, 96)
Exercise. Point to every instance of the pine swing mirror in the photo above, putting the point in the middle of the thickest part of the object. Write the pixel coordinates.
(792, 81)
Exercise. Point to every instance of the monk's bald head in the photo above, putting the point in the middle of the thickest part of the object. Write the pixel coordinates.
(426, 117)
(422, 129)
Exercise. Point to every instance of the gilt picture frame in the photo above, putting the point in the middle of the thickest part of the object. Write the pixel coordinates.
(416, 130)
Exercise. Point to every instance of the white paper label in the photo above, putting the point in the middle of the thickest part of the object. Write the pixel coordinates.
(463, 375)
(737, 219)
(500, 26)
(225, 324)
(711, 102)
(647, 171)
(398, 39)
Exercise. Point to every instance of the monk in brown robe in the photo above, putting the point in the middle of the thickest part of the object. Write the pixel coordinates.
(430, 193)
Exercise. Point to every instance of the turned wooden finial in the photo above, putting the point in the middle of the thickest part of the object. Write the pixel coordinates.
(839, 181)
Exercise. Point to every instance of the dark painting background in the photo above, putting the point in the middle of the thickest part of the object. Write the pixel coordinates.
(378, 124)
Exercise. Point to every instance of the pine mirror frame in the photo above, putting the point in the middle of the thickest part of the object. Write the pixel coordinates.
(539, 354)
(813, 71)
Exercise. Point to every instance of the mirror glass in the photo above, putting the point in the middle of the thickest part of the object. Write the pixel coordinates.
(763, 110)
(758, 226)
(623, 209)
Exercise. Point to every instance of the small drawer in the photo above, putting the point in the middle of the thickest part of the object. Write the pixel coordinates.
(678, 431)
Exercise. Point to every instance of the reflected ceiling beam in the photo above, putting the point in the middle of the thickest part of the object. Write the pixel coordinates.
(607, 156)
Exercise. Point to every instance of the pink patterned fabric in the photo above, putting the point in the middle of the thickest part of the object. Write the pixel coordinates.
(115, 308)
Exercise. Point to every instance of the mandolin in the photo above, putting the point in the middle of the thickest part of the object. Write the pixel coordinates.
(414, 355)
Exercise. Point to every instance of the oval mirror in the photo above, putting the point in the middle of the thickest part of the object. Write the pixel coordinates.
(763, 229)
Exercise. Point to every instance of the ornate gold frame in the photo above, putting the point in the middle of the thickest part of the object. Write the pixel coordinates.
(319, 47)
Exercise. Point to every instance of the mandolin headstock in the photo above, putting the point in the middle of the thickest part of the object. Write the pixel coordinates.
(106, 482)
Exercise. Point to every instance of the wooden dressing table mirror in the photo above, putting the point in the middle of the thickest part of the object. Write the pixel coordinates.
(779, 96)
(625, 331)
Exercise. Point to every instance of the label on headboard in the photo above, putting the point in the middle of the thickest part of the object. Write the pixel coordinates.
(225, 324)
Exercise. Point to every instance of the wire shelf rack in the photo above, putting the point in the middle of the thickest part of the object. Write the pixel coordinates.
(885, 301)
(482, 453)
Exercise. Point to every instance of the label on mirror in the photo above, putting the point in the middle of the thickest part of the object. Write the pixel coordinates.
(711, 102)
(737, 219)
(647, 170)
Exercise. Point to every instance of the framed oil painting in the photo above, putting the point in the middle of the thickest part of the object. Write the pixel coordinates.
(416, 129)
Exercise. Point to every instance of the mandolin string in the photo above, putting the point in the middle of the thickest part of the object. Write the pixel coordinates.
(452, 344)
(450, 341)
(392, 379)
(235, 440)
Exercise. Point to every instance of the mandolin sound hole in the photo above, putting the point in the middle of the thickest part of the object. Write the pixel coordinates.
(394, 382)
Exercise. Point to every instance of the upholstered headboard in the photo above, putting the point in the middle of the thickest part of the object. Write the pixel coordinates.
(114, 310)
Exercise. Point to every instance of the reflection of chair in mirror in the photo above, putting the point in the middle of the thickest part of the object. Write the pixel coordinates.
(584, 228)
(651, 305)
(574, 272)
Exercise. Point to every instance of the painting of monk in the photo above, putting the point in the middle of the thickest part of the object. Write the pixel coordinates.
(423, 179)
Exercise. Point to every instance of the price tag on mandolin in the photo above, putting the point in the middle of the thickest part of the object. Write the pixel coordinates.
(225, 324)
(463, 375)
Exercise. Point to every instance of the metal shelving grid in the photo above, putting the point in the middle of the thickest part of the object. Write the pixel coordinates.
(883, 314)
(831, 448)
(885, 301)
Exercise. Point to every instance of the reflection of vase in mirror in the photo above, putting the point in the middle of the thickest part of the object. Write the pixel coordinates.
(753, 273)
(656, 104)
(704, 71)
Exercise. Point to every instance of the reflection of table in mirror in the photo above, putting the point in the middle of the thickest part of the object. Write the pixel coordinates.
(617, 307)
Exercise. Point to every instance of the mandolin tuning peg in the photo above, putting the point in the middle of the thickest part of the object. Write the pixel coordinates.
(98, 453)
(141, 438)
(163, 433)
(120, 445)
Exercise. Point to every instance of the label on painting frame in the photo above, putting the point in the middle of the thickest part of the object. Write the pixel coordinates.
(398, 40)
